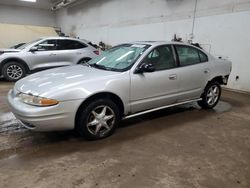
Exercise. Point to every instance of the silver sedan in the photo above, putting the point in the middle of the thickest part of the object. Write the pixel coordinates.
(127, 80)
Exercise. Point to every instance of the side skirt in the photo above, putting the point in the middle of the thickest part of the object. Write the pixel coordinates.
(160, 108)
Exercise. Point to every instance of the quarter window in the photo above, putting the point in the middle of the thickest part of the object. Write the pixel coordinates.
(203, 57)
(161, 58)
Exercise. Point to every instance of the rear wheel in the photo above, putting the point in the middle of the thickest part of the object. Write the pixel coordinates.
(98, 119)
(211, 95)
(13, 71)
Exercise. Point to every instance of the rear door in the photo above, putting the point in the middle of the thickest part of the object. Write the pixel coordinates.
(194, 71)
(69, 51)
(158, 88)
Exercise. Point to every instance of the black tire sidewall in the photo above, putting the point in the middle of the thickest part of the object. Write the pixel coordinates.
(84, 114)
(5, 67)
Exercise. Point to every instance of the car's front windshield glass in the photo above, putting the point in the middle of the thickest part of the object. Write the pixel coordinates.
(27, 44)
(119, 58)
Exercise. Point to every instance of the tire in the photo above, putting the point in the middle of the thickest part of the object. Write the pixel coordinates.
(211, 96)
(13, 71)
(93, 122)
(84, 60)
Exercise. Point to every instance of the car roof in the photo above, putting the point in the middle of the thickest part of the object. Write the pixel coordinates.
(71, 38)
(157, 43)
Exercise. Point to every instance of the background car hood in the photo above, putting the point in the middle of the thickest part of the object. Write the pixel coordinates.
(9, 50)
(50, 82)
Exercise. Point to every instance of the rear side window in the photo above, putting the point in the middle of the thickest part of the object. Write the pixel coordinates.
(69, 45)
(187, 55)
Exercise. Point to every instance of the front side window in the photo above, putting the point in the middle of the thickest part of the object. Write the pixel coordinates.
(69, 45)
(161, 58)
(187, 55)
(119, 58)
(47, 45)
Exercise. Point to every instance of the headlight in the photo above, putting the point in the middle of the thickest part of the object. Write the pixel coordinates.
(37, 101)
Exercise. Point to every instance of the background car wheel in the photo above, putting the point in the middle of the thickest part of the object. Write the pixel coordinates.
(211, 95)
(98, 119)
(13, 71)
(84, 60)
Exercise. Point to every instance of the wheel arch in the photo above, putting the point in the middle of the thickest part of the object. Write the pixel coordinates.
(104, 95)
(218, 79)
(15, 59)
(88, 58)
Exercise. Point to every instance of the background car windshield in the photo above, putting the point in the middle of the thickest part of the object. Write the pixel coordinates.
(27, 44)
(119, 58)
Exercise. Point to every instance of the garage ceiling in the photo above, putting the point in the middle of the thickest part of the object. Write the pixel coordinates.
(42, 4)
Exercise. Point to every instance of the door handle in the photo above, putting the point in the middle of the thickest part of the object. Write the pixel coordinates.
(172, 77)
(206, 71)
(78, 53)
(52, 54)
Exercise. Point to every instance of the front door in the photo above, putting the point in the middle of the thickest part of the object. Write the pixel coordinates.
(157, 88)
(44, 57)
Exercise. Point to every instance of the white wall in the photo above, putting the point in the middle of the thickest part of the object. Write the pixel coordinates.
(26, 16)
(224, 25)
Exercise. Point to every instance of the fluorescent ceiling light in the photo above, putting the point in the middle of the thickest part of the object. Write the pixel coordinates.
(32, 1)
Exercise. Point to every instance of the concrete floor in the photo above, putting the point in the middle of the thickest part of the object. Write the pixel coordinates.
(178, 147)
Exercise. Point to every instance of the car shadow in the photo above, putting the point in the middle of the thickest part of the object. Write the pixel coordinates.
(60, 143)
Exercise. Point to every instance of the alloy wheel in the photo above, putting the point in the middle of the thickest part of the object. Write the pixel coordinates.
(213, 95)
(101, 120)
(14, 72)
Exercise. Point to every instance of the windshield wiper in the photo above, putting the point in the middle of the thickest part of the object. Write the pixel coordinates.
(100, 66)
(104, 67)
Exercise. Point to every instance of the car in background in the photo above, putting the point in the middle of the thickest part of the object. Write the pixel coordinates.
(125, 81)
(43, 54)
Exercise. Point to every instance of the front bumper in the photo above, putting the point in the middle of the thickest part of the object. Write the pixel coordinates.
(51, 118)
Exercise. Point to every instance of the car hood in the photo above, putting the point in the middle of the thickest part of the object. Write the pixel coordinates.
(9, 50)
(47, 83)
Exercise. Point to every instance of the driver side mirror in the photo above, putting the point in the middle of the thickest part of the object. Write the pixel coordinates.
(145, 68)
(33, 49)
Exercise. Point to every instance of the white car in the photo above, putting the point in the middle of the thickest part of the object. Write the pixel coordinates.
(43, 54)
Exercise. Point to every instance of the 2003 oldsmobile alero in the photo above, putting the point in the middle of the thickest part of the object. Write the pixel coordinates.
(127, 80)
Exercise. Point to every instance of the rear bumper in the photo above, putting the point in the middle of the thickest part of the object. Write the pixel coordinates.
(52, 118)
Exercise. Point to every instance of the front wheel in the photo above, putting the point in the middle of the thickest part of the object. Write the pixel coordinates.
(211, 96)
(13, 71)
(98, 119)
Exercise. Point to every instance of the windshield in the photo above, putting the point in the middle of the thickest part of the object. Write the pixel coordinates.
(27, 44)
(119, 58)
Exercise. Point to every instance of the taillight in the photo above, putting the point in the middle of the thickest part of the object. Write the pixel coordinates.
(97, 52)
